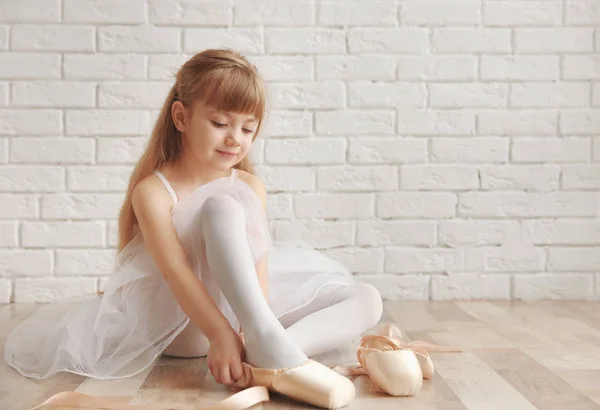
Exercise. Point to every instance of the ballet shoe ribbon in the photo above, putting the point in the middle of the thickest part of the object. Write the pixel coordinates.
(239, 401)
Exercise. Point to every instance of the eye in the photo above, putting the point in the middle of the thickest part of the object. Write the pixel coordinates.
(247, 131)
(218, 124)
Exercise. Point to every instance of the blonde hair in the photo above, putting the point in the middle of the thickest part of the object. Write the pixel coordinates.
(220, 78)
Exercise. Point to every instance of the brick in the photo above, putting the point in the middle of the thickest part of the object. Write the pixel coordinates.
(49, 290)
(81, 206)
(459, 233)
(438, 177)
(580, 122)
(581, 177)
(388, 40)
(511, 258)
(521, 122)
(19, 206)
(469, 286)
(53, 94)
(165, 66)
(107, 122)
(439, 68)
(193, 13)
(471, 40)
(418, 260)
(64, 234)
(304, 40)
(98, 178)
(365, 150)
(52, 38)
(320, 234)
(3, 150)
(30, 122)
(288, 124)
(551, 149)
(541, 178)
(447, 13)
(563, 231)
(9, 236)
(306, 151)
(581, 67)
(416, 205)
(3, 37)
(320, 95)
(113, 234)
(468, 95)
(120, 150)
(381, 94)
(343, 206)
(52, 151)
(364, 178)
(521, 13)
(573, 259)
(32, 179)
(143, 38)
(596, 149)
(354, 122)
(582, 13)
(548, 95)
(554, 40)
(596, 95)
(243, 40)
(30, 11)
(23, 263)
(470, 150)
(257, 150)
(386, 233)
(356, 13)
(352, 68)
(552, 286)
(434, 122)
(273, 13)
(284, 68)
(280, 206)
(399, 287)
(287, 179)
(105, 11)
(104, 66)
(526, 68)
(358, 259)
(133, 95)
(522, 204)
(84, 262)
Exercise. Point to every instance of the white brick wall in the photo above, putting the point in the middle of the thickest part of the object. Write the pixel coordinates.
(440, 149)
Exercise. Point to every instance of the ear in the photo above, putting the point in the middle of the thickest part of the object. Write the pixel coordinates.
(179, 114)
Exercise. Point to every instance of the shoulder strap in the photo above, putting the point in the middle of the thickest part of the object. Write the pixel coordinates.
(166, 184)
(234, 173)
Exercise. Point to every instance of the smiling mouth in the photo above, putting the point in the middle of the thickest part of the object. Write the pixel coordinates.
(227, 153)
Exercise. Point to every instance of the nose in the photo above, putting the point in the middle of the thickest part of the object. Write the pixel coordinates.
(233, 138)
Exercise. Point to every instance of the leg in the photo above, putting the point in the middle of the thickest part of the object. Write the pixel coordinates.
(336, 318)
(222, 224)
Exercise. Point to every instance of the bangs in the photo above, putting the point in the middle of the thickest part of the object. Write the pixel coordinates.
(233, 90)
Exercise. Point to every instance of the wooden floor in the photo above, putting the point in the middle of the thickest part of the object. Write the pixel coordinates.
(518, 355)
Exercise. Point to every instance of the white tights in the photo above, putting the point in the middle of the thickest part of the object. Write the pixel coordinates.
(325, 323)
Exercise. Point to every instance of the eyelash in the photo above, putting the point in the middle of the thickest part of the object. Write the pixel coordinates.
(219, 125)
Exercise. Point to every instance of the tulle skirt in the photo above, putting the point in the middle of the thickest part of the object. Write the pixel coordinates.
(121, 333)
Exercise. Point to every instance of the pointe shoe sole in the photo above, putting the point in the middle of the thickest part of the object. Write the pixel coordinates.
(311, 383)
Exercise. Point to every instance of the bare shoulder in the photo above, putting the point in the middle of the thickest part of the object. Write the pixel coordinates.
(257, 185)
(150, 194)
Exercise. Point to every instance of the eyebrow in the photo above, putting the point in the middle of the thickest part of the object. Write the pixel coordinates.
(251, 119)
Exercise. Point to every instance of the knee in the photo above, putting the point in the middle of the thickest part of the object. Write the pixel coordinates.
(371, 300)
(219, 208)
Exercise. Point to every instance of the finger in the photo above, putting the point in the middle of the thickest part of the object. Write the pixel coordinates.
(215, 373)
(236, 370)
(225, 375)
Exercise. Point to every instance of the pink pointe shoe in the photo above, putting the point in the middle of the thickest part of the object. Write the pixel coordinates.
(311, 383)
(394, 366)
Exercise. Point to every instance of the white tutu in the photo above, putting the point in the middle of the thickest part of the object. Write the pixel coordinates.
(122, 332)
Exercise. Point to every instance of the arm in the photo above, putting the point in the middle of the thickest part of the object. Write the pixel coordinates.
(152, 206)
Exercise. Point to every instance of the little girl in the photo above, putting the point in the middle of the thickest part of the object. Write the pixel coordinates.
(197, 273)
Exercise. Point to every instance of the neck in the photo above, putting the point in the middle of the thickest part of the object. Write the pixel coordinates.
(197, 173)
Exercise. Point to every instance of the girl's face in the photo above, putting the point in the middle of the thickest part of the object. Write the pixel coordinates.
(221, 139)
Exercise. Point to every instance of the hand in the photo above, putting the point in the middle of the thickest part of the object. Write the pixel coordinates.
(225, 357)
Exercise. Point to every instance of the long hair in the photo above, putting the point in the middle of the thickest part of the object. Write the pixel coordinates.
(220, 78)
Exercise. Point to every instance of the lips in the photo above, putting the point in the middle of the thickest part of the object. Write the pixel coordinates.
(227, 153)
